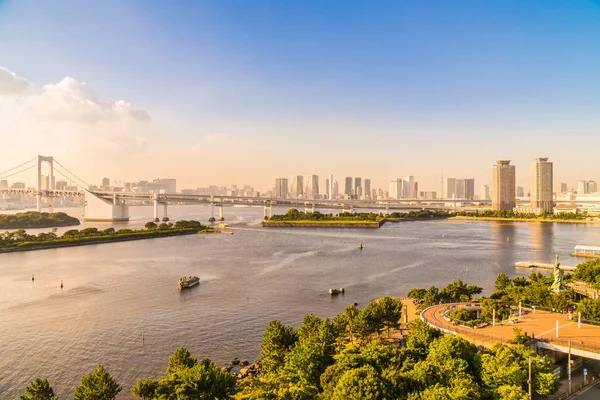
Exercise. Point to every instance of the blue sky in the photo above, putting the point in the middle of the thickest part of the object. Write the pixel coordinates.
(375, 88)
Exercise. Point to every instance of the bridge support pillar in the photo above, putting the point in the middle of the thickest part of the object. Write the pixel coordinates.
(156, 219)
(221, 218)
(165, 217)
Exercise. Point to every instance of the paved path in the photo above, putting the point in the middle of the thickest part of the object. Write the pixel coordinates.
(542, 324)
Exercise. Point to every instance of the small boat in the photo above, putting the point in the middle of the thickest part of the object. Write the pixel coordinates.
(188, 282)
(333, 291)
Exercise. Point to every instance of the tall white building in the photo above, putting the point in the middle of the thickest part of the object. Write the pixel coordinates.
(450, 188)
(336, 190)
(582, 187)
(484, 192)
(281, 188)
(311, 186)
(296, 186)
(329, 187)
(396, 189)
(366, 188)
(541, 185)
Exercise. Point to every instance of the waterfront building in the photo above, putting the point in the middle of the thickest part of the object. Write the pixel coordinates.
(503, 186)
(168, 185)
(367, 188)
(105, 182)
(582, 187)
(329, 187)
(348, 186)
(541, 185)
(408, 187)
(450, 188)
(3, 184)
(61, 185)
(296, 184)
(469, 188)
(336, 190)
(428, 195)
(460, 189)
(281, 188)
(592, 187)
(484, 192)
(561, 188)
(311, 186)
(396, 189)
(520, 191)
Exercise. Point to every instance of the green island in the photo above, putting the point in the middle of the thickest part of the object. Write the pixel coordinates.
(34, 219)
(357, 354)
(295, 218)
(510, 215)
(20, 240)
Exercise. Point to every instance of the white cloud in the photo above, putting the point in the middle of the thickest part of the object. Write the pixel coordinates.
(66, 118)
(11, 84)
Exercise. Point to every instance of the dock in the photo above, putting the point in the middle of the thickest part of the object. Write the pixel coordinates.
(586, 251)
(532, 264)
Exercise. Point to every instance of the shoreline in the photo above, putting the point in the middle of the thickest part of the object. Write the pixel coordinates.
(564, 221)
(101, 240)
(323, 224)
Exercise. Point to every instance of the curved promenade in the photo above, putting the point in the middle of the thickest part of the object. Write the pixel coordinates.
(541, 325)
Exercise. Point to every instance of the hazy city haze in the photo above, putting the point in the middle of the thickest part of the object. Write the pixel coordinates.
(245, 92)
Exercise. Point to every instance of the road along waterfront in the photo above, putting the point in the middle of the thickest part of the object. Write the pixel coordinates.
(114, 293)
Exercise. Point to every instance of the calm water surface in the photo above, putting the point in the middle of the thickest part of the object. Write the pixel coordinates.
(115, 293)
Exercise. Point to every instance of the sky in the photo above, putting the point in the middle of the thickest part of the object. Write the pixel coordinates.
(246, 91)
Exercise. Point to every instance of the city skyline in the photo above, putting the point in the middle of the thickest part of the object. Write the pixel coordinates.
(381, 111)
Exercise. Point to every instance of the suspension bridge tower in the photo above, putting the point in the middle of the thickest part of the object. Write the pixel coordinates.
(50, 186)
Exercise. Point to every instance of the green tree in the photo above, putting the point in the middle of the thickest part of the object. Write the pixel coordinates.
(276, 344)
(180, 361)
(590, 309)
(512, 392)
(39, 389)
(359, 384)
(458, 291)
(502, 284)
(205, 380)
(145, 389)
(98, 385)
(150, 225)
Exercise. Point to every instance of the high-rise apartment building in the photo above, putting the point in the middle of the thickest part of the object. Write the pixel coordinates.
(582, 187)
(3, 184)
(355, 188)
(450, 188)
(396, 189)
(366, 188)
(561, 188)
(503, 186)
(105, 182)
(281, 188)
(348, 186)
(541, 185)
(520, 191)
(296, 184)
(311, 186)
(592, 187)
(329, 187)
(408, 187)
(469, 188)
(460, 188)
(484, 192)
(336, 190)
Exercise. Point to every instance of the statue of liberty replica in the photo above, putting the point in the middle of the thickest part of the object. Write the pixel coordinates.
(557, 285)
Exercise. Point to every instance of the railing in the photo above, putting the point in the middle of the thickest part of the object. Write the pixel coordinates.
(577, 389)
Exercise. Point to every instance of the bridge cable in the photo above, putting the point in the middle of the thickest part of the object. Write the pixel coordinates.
(18, 172)
(18, 166)
(72, 179)
(78, 178)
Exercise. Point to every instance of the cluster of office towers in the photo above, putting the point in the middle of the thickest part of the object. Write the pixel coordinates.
(504, 189)
(307, 187)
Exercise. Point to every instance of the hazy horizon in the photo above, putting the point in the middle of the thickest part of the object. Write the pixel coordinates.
(236, 92)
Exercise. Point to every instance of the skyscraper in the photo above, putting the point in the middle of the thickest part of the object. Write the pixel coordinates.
(469, 188)
(357, 185)
(592, 187)
(582, 187)
(348, 186)
(311, 186)
(541, 185)
(484, 192)
(396, 189)
(408, 187)
(520, 191)
(330, 187)
(460, 189)
(296, 186)
(105, 182)
(450, 188)
(503, 185)
(336, 190)
(281, 188)
(367, 188)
